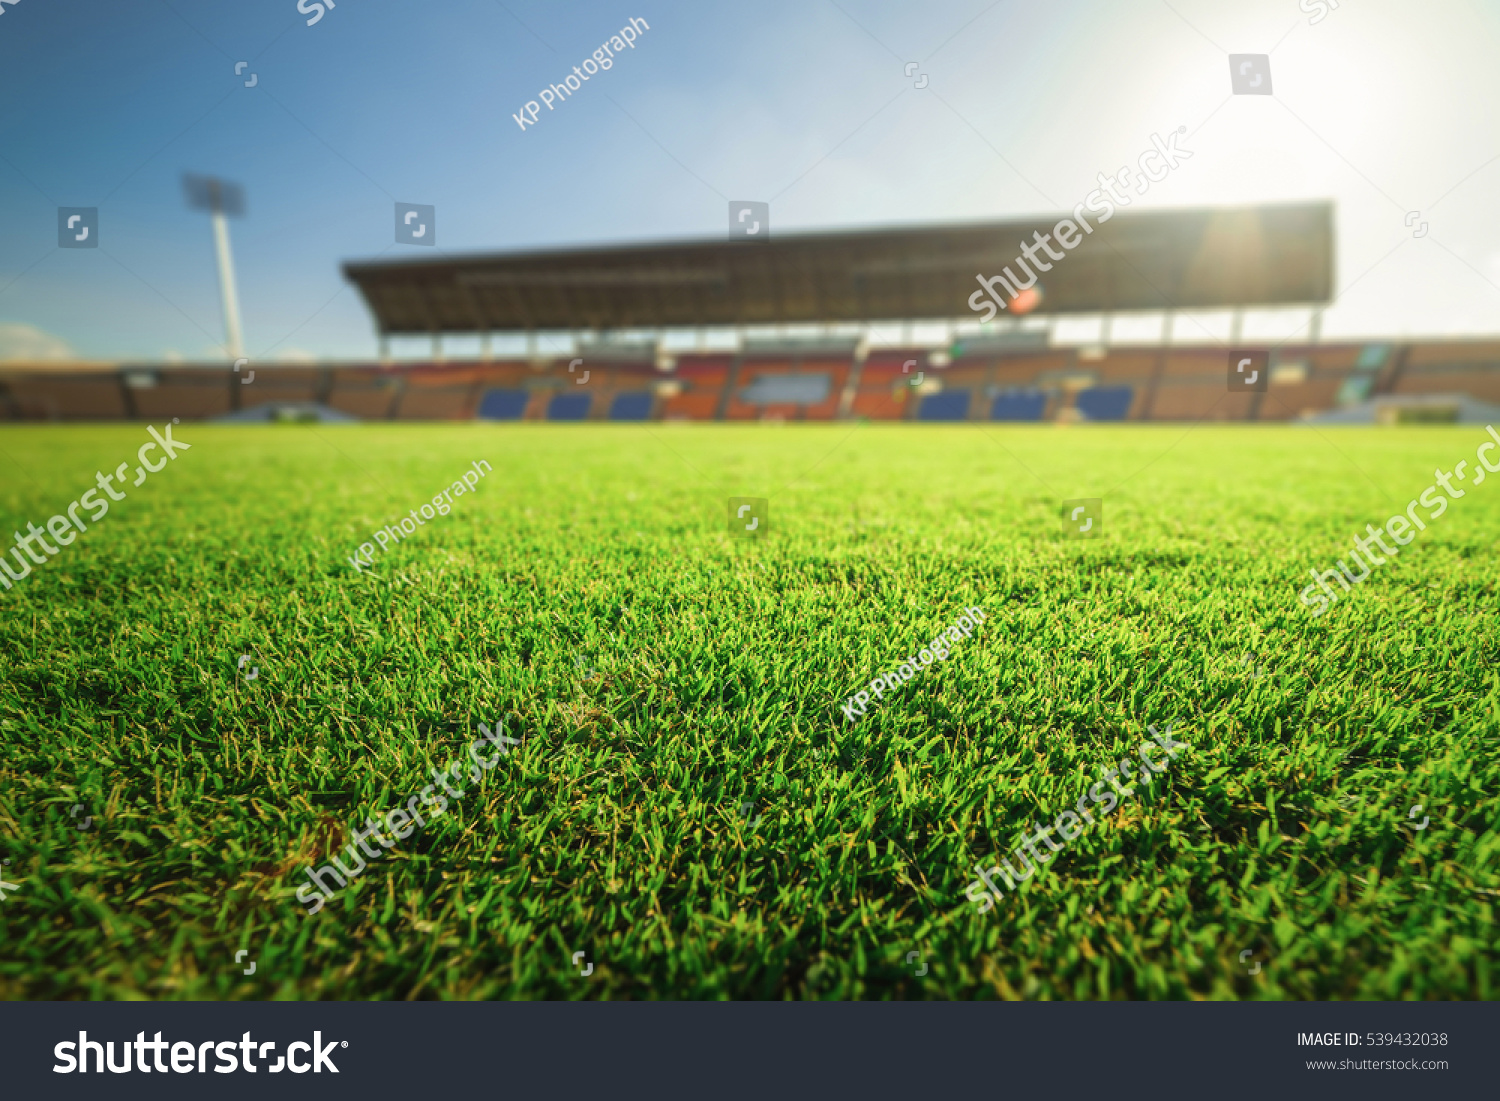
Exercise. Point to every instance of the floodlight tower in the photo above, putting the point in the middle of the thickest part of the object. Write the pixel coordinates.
(221, 199)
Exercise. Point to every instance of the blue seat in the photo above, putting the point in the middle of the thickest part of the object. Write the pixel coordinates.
(569, 407)
(503, 405)
(1105, 403)
(1019, 405)
(950, 405)
(631, 407)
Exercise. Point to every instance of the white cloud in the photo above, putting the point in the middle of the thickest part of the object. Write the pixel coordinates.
(19, 341)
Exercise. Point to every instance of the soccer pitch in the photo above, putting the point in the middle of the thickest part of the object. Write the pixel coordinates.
(688, 806)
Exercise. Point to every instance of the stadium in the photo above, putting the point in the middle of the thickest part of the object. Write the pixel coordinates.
(444, 663)
(786, 301)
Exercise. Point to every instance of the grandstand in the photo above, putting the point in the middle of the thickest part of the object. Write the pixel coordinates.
(1176, 383)
(600, 300)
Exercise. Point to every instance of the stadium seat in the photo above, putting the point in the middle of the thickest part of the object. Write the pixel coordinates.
(695, 406)
(1200, 400)
(1483, 385)
(1020, 372)
(503, 405)
(1283, 403)
(569, 407)
(364, 392)
(950, 405)
(1167, 383)
(65, 397)
(748, 398)
(809, 389)
(1452, 367)
(1019, 405)
(634, 406)
(280, 386)
(422, 401)
(959, 376)
(1105, 403)
(702, 379)
(186, 392)
(884, 392)
(1133, 368)
(880, 405)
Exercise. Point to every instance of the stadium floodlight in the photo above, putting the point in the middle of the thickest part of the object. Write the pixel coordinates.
(221, 200)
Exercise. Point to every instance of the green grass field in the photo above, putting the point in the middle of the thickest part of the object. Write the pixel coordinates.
(720, 666)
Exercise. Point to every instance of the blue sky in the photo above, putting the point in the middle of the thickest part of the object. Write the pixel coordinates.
(1384, 107)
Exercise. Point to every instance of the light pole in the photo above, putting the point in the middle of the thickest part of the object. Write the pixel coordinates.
(221, 199)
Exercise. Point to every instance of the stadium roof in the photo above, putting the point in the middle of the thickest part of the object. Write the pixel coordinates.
(1158, 260)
